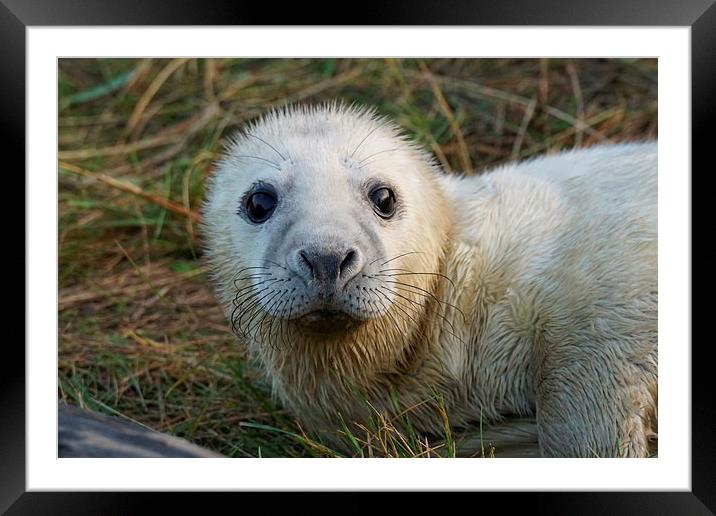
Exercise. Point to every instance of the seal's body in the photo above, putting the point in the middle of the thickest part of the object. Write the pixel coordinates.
(363, 278)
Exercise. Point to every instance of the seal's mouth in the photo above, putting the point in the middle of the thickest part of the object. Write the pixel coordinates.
(327, 321)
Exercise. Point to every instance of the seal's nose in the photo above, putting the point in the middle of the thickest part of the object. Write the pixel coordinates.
(328, 266)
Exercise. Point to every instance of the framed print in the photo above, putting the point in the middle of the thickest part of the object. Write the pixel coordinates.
(131, 118)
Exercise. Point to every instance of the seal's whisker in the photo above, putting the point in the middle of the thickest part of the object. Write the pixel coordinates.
(397, 304)
(244, 269)
(413, 274)
(252, 276)
(232, 318)
(408, 291)
(241, 328)
(362, 161)
(268, 314)
(368, 163)
(284, 327)
(276, 264)
(437, 312)
(280, 316)
(255, 300)
(248, 268)
(236, 303)
(249, 292)
(264, 281)
(273, 316)
(396, 293)
(268, 161)
(283, 324)
(396, 257)
(427, 292)
(267, 299)
(267, 143)
(270, 338)
(389, 314)
(387, 320)
(236, 321)
(372, 308)
(379, 126)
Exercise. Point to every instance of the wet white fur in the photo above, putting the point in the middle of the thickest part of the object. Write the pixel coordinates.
(553, 264)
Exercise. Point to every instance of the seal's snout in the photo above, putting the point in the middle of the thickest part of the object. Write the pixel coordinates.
(330, 267)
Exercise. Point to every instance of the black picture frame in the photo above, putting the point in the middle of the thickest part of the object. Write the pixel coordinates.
(17, 15)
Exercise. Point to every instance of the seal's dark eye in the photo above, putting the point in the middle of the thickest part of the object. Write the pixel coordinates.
(260, 206)
(384, 202)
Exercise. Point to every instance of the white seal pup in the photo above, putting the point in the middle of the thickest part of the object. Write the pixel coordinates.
(355, 270)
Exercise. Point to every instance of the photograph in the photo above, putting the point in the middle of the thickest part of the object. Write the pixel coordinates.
(349, 257)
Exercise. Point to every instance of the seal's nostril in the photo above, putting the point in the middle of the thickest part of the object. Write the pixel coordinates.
(306, 262)
(348, 262)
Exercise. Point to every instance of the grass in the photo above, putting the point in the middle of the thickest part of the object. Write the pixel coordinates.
(140, 334)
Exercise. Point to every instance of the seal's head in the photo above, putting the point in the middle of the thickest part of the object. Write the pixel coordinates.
(325, 230)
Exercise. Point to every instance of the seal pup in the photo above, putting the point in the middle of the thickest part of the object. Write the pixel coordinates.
(360, 275)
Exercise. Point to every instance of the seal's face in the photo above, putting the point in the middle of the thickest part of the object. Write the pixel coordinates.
(313, 227)
(319, 223)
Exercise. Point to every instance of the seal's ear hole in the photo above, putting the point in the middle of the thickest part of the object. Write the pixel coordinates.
(383, 200)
